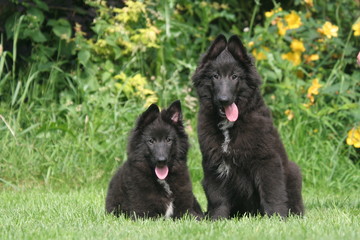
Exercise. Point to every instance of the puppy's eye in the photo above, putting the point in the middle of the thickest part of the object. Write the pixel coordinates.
(168, 140)
(234, 76)
(151, 141)
(215, 76)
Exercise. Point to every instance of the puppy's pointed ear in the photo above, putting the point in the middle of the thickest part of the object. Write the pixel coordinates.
(215, 49)
(148, 116)
(173, 113)
(237, 49)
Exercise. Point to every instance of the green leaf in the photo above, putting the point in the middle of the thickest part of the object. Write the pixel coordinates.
(84, 56)
(42, 5)
(37, 14)
(338, 87)
(38, 36)
(10, 25)
(61, 28)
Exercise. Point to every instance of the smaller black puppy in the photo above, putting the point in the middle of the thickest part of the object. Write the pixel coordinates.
(155, 180)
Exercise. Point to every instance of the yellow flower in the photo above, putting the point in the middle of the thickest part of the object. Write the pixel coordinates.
(293, 20)
(78, 30)
(312, 57)
(269, 14)
(356, 28)
(250, 44)
(297, 46)
(315, 86)
(135, 87)
(308, 14)
(308, 105)
(216, 5)
(128, 45)
(313, 89)
(294, 57)
(272, 12)
(150, 100)
(142, 39)
(354, 137)
(329, 30)
(224, 6)
(131, 12)
(309, 3)
(281, 28)
(203, 4)
(312, 99)
(290, 114)
(147, 36)
(258, 55)
(101, 43)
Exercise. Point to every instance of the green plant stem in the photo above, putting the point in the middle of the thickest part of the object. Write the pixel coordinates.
(255, 11)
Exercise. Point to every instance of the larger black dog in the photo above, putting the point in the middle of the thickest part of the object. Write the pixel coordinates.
(246, 169)
(155, 180)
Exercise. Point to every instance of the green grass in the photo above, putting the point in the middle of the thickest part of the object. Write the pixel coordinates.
(54, 175)
(45, 213)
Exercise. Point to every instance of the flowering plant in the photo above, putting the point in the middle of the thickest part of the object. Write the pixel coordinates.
(310, 66)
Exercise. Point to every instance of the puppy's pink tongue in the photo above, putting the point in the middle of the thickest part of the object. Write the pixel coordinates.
(232, 112)
(161, 173)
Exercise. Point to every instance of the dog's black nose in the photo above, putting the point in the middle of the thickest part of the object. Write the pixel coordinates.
(161, 159)
(224, 100)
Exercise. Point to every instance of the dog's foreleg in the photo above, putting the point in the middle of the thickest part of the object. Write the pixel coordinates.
(271, 186)
(219, 212)
(218, 204)
(294, 182)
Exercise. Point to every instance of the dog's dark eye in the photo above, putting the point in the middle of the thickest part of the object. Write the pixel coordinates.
(168, 140)
(151, 141)
(234, 76)
(215, 76)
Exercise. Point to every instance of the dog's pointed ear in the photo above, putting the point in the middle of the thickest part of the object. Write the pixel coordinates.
(148, 116)
(237, 49)
(174, 112)
(215, 49)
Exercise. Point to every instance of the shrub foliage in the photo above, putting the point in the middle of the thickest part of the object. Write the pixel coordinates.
(134, 53)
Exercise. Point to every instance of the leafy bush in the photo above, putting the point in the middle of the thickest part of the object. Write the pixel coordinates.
(146, 51)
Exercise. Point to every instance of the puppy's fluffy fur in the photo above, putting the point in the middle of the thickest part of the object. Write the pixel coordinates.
(157, 141)
(246, 169)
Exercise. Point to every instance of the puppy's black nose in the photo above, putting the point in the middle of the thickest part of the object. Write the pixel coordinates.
(161, 159)
(224, 100)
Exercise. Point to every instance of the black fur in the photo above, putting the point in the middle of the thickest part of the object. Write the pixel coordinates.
(253, 174)
(158, 139)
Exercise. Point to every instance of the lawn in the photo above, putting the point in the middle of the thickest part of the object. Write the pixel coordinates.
(46, 213)
(54, 188)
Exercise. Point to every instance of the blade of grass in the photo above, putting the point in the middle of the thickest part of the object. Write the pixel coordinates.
(7, 125)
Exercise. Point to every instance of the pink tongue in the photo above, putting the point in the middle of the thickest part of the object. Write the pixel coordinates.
(161, 173)
(232, 112)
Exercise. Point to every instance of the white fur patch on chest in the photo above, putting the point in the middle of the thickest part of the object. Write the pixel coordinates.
(224, 169)
(224, 126)
(170, 207)
(170, 210)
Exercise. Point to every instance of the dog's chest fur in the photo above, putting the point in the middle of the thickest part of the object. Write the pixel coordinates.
(224, 168)
(169, 212)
